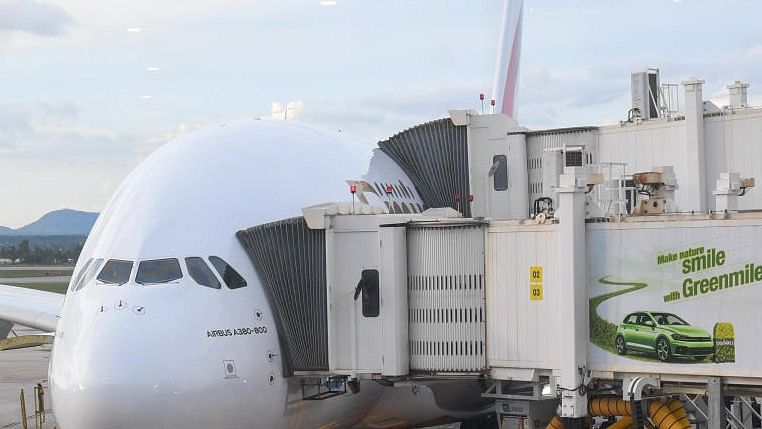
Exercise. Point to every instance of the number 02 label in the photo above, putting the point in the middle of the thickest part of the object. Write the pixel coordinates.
(535, 274)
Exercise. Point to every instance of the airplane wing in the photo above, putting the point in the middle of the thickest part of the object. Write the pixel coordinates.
(27, 307)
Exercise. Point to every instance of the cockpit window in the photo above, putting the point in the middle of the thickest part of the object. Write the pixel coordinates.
(82, 270)
(115, 272)
(158, 271)
(231, 277)
(87, 273)
(201, 273)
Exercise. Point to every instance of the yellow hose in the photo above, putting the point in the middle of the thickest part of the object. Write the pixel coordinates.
(668, 415)
(677, 408)
(665, 415)
(609, 407)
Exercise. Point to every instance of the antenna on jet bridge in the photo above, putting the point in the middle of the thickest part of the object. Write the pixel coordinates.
(492, 103)
(481, 98)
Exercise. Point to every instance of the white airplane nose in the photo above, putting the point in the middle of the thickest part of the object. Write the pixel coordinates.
(115, 394)
(111, 406)
(111, 374)
(126, 370)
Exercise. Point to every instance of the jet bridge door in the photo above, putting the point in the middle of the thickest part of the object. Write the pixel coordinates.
(354, 329)
(446, 297)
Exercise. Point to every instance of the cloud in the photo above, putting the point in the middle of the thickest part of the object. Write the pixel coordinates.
(372, 117)
(59, 110)
(149, 145)
(51, 132)
(549, 97)
(35, 17)
(555, 97)
(55, 161)
(754, 51)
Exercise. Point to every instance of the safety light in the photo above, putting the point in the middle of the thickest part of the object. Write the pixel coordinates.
(389, 188)
(353, 188)
(470, 197)
(457, 196)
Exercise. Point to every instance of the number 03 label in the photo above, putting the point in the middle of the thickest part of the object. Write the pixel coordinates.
(535, 291)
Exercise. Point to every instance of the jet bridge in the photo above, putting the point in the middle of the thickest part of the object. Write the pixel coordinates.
(602, 286)
(375, 294)
(533, 305)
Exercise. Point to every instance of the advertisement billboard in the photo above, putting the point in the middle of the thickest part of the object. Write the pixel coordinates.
(676, 297)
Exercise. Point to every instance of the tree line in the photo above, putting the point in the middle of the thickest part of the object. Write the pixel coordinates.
(41, 254)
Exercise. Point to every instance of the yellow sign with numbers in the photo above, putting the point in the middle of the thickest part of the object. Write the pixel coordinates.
(535, 274)
(535, 291)
(535, 283)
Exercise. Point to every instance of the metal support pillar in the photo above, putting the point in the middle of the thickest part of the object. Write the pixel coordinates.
(694, 188)
(716, 403)
(574, 331)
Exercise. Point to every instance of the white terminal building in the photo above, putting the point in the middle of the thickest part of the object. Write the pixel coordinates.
(553, 268)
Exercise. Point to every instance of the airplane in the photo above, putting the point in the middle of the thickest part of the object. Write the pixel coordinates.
(166, 324)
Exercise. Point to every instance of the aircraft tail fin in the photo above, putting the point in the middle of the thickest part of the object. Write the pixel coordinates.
(505, 89)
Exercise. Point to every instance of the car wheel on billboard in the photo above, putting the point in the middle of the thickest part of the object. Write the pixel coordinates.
(663, 351)
(619, 343)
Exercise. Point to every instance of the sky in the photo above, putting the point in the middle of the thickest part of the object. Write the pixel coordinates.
(89, 89)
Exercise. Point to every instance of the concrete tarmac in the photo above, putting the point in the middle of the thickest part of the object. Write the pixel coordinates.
(22, 369)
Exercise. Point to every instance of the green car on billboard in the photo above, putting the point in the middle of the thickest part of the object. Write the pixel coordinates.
(665, 334)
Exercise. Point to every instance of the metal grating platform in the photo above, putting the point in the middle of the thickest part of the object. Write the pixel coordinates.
(290, 260)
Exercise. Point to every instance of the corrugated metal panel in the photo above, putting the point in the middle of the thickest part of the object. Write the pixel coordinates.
(290, 259)
(446, 298)
(539, 141)
(521, 332)
(435, 157)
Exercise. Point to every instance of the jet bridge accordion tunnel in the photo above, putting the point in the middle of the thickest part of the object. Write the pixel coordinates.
(435, 157)
(290, 259)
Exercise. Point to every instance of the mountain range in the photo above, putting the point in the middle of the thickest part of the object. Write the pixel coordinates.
(57, 222)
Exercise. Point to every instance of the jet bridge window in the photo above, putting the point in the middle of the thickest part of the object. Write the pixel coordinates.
(368, 287)
(499, 172)
(115, 272)
(201, 273)
(230, 276)
(158, 271)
